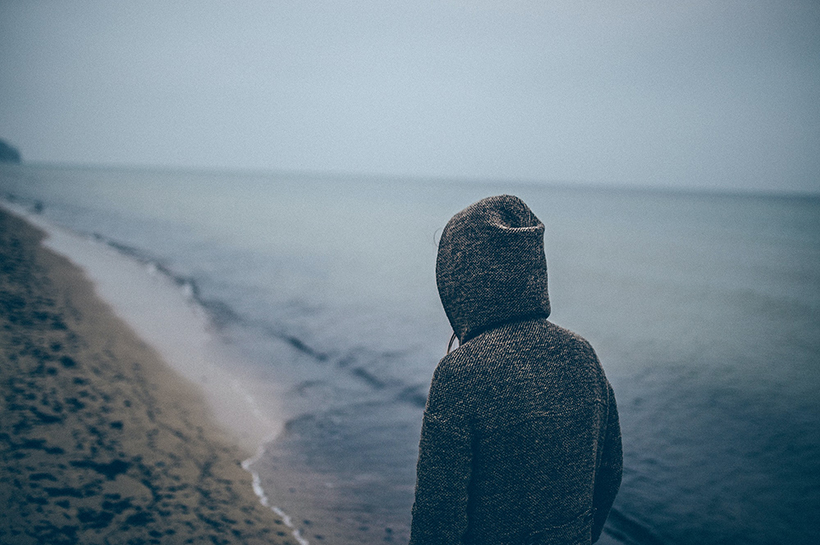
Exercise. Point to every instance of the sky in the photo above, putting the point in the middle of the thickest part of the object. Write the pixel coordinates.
(685, 94)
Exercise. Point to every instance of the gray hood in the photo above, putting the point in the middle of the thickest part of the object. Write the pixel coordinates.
(491, 267)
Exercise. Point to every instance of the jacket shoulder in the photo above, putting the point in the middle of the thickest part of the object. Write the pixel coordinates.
(572, 340)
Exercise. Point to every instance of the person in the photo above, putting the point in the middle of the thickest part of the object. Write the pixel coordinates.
(520, 441)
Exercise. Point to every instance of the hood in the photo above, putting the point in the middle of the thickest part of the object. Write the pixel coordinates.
(491, 267)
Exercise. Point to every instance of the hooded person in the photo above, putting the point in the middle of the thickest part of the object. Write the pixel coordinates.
(520, 442)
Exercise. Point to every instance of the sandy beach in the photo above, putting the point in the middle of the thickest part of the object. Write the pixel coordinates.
(100, 441)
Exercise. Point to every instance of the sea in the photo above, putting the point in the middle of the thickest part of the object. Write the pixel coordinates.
(703, 307)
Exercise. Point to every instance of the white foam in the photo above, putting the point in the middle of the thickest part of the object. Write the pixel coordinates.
(263, 498)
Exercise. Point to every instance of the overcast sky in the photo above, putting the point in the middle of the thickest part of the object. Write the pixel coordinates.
(694, 93)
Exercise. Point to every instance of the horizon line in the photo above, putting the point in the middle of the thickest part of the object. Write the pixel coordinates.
(417, 178)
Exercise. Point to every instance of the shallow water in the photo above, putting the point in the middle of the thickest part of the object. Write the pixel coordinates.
(703, 309)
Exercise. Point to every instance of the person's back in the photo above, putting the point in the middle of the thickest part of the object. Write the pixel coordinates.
(520, 440)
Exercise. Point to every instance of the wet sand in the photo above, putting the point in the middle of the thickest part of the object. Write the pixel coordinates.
(101, 442)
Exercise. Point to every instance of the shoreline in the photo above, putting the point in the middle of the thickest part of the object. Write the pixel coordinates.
(163, 313)
(103, 439)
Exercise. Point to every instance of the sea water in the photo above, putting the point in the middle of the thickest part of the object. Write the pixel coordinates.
(704, 309)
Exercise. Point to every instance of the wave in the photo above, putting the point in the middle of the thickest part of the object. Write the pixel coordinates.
(221, 315)
(219, 312)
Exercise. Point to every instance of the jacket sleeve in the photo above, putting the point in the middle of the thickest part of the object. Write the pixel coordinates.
(608, 476)
(444, 467)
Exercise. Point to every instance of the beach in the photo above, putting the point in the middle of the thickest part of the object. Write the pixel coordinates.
(100, 441)
(299, 316)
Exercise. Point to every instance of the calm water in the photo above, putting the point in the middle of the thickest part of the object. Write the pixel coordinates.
(704, 309)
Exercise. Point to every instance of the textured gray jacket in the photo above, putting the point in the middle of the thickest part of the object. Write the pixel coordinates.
(520, 442)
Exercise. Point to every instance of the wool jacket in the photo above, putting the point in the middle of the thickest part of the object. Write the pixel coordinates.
(520, 441)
